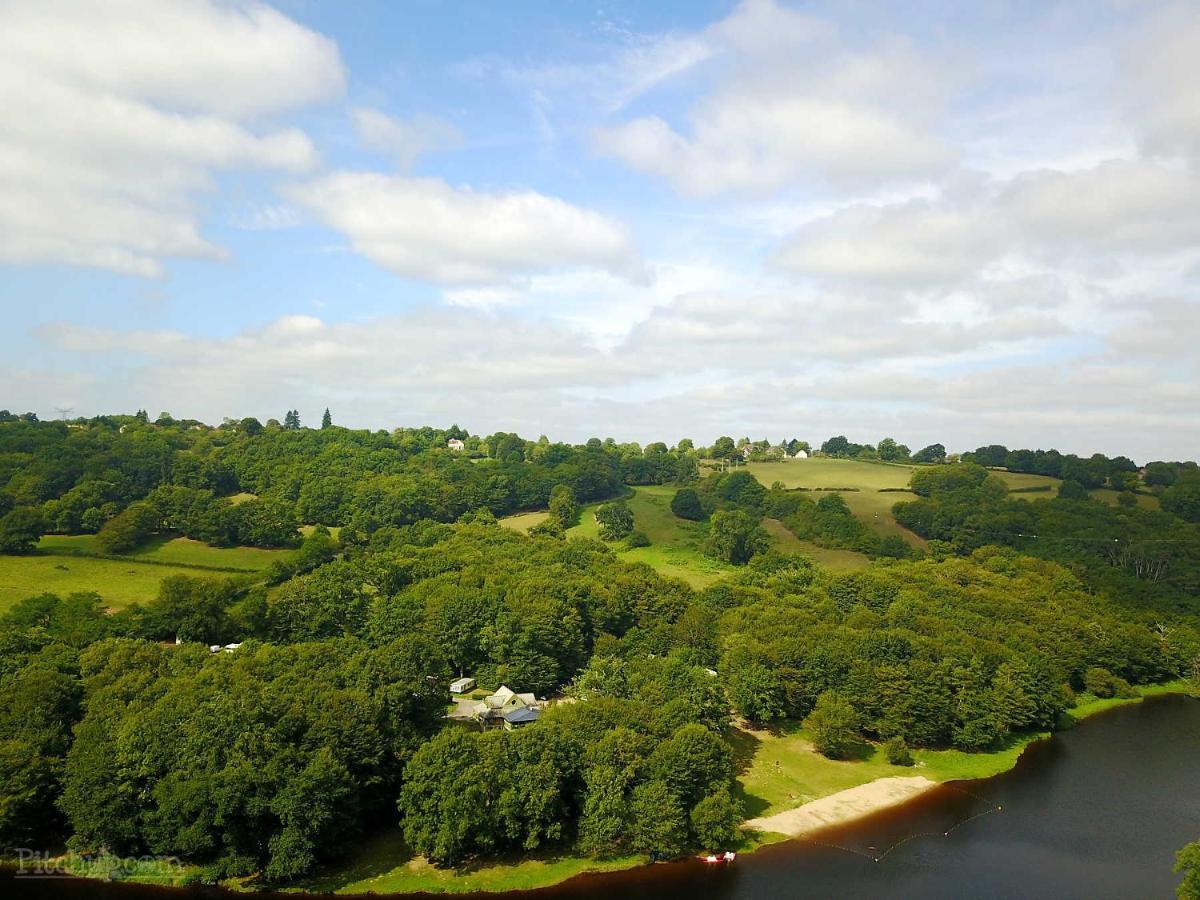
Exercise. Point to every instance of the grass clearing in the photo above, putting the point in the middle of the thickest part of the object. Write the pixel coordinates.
(835, 560)
(178, 551)
(522, 522)
(67, 564)
(778, 769)
(119, 582)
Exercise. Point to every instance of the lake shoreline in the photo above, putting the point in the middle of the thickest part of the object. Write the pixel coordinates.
(831, 811)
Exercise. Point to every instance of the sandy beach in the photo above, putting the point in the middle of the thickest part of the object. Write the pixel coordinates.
(844, 806)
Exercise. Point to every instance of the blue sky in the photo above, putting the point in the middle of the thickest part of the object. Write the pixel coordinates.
(945, 222)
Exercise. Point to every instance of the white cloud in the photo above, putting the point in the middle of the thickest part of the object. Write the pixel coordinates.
(404, 140)
(115, 115)
(1161, 66)
(797, 106)
(911, 243)
(427, 229)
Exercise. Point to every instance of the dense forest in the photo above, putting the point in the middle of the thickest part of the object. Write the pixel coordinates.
(132, 732)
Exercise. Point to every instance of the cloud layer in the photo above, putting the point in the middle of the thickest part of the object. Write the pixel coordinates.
(116, 115)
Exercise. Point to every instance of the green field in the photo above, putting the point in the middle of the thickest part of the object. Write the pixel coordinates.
(676, 545)
(179, 551)
(119, 583)
(69, 564)
(872, 489)
(522, 522)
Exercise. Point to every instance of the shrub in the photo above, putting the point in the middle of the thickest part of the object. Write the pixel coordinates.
(895, 750)
(637, 539)
(686, 504)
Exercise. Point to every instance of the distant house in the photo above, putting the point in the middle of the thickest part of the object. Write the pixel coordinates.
(462, 685)
(456, 445)
(800, 454)
(217, 648)
(746, 451)
(502, 708)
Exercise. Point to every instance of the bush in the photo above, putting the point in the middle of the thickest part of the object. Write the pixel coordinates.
(686, 505)
(637, 539)
(1072, 490)
(1105, 684)
(548, 527)
(895, 750)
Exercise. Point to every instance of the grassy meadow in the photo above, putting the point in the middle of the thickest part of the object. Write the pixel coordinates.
(66, 564)
(871, 489)
(677, 545)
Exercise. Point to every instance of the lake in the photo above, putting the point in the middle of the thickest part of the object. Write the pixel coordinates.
(1095, 812)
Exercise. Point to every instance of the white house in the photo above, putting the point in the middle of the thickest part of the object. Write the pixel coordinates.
(462, 685)
(456, 445)
(800, 454)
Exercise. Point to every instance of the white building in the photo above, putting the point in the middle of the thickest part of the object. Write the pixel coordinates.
(456, 445)
(462, 685)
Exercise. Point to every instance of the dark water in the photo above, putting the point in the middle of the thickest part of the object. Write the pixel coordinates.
(1097, 812)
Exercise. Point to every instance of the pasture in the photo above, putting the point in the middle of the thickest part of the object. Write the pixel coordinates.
(871, 489)
(67, 564)
(677, 545)
(119, 582)
(179, 551)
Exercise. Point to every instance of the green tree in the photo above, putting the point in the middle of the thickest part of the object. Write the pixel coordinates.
(834, 725)
(1183, 499)
(1187, 861)
(615, 520)
(20, 530)
(735, 537)
(326, 419)
(657, 824)
(563, 506)
(934, 453)
(715, 820)
(723, 448)
(129, 529)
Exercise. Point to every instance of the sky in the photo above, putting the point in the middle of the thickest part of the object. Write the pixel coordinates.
(963, 223)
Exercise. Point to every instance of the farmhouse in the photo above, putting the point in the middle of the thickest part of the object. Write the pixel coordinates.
(456, 445)
(507, 708)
